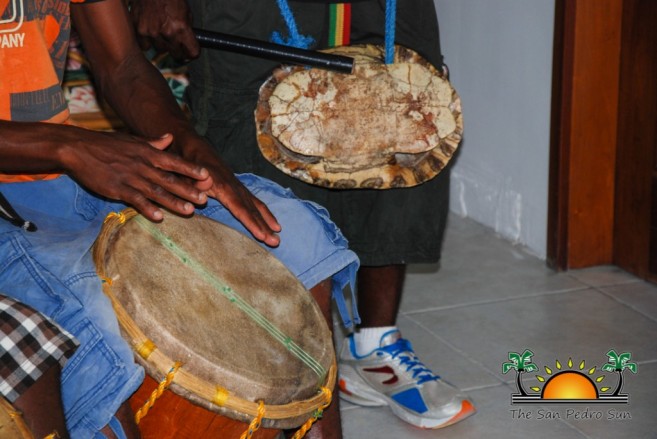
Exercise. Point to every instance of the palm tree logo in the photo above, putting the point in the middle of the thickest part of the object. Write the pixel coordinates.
(521, 364)
(569, 383)
(618, 363)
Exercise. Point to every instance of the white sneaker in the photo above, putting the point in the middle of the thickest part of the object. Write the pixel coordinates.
(393, 375)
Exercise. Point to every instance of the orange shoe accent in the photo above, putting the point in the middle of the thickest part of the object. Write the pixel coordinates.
(467, 409)
(343, 387)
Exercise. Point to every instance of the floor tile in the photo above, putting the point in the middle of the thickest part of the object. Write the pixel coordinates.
(582, 325)
(478, 267)
(640, 296)
(488, 297)
(493, 420)
(636, 419)
(447, 361)
(602, 275)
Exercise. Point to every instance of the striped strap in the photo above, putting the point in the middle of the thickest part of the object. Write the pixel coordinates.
(340, 24)
(340, 27)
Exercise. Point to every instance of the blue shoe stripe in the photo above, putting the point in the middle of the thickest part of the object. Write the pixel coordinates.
(411, 399)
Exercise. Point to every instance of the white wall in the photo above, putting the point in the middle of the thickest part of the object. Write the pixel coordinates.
(500, 57)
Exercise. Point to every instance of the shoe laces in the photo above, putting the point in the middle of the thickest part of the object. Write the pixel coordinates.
(403, 351)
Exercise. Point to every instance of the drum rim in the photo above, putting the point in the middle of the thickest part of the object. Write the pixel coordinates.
(164, 364)
(17, 418)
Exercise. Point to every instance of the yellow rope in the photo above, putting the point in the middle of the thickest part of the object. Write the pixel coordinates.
(143, 411)
(120, 216)
(255, 424)
(220, 396)
(301, 432)
(145, 349)
(16, 415)
(107, 280)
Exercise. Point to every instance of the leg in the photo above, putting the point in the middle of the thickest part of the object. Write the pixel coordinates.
(41, 405)
(379, 294)
(102, 373)
(378, 367)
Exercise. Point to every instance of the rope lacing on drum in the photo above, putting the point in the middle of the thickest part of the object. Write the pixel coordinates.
(255, 423)
(15, 414)
(220, 396)
(301, 432)
(164, 384)
(120, 216)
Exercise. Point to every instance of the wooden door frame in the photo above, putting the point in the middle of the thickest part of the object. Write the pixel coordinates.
(635, 221)
(586, 66)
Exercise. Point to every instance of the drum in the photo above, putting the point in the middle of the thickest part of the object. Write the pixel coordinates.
(383, 126)
(12, 425)
(218, 320)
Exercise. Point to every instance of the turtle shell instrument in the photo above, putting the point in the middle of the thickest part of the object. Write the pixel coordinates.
(384, 126)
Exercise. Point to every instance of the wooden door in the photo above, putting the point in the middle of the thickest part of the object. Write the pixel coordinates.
(635, 225)
(604, 117)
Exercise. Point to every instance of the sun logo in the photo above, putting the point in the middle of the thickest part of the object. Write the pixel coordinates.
(572, 385)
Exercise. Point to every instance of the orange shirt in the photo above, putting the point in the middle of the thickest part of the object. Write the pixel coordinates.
(34, 37)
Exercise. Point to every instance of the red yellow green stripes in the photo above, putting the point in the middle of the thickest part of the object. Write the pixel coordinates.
(340, 24)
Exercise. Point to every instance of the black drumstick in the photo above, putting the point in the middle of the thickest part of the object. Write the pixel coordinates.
(8, 213)
(274, 52)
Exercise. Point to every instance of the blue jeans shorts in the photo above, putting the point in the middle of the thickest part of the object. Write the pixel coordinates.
(52, 271)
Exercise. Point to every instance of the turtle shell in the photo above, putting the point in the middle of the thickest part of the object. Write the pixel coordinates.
(382, 126)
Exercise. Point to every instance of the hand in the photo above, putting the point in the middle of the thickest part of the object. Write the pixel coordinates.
(136, 171)
(231, 193)
(150, 108)
(166, 25)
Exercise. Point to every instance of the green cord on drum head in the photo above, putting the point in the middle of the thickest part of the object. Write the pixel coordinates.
(233, 297)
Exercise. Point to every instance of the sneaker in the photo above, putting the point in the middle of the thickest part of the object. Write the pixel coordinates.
(392, 375)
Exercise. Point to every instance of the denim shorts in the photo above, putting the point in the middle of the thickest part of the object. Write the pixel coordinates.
(52, 270)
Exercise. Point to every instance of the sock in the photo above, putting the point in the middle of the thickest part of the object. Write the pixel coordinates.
(368, 339)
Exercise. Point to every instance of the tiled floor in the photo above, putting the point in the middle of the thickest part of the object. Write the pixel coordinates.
(489, 298)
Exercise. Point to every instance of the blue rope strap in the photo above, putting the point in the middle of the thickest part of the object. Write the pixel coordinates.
(295, 39)
(391, 10)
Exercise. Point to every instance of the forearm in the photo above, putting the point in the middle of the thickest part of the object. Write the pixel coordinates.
(141, 97)
(34, 147)
(129, 83)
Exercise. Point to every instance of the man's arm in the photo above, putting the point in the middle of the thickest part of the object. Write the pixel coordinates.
(141, 97)
(117, 166)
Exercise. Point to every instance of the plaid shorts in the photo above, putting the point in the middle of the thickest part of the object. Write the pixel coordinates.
(30, 344)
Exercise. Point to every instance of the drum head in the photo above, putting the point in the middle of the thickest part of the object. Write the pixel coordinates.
(383, 126)
(216, 301)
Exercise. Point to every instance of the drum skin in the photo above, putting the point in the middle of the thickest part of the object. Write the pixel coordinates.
(178, 299)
